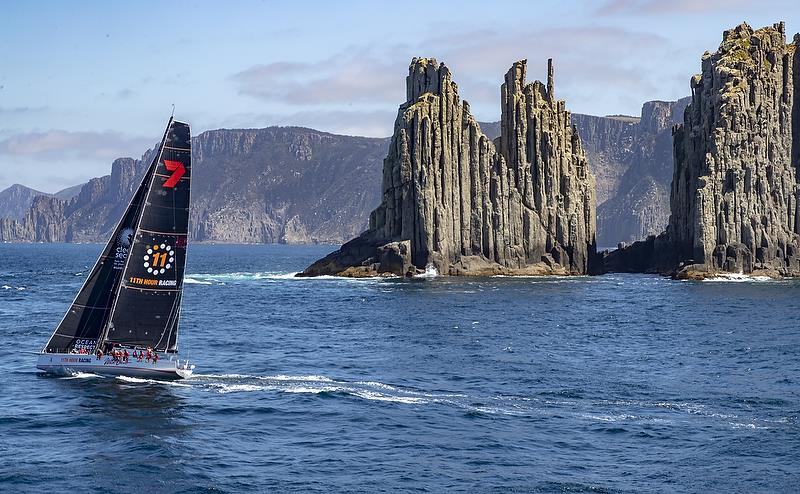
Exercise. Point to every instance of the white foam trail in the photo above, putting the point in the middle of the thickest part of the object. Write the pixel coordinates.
(279, 377)
(6, 287)
(82, 375)
(311, 378)
(192, 281)
(140, 380)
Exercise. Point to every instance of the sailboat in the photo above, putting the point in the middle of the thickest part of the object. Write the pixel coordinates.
(124, 320)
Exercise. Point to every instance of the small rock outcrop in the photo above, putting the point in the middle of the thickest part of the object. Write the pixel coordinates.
(523, 204)
(735, 199)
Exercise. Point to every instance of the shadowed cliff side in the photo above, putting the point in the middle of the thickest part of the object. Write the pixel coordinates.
(455, 200)
(735, 199)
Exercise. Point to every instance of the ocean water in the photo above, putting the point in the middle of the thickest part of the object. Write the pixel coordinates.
(617, 383)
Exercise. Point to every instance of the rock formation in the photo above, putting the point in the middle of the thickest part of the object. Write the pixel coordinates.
(15, 201)
(632, 161)
(735, 199)
(279, 184)
(455, 200)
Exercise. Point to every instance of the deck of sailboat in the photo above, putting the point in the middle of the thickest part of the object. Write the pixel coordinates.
(71, 363)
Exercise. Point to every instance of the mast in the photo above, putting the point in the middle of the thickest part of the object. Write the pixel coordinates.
(148, 297)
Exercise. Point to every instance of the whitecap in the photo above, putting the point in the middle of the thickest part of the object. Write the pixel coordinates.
(430, 272)
(737, 278)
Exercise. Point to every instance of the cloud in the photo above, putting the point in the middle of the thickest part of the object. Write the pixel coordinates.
(59, 144)
(650, 7)
(367, 123)
(355, 76)
(22, 110)
(589, 60)
(126, 93)
(594, 66)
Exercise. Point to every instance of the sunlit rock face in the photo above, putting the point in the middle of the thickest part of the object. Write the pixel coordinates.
(521, 204)
(734, 201)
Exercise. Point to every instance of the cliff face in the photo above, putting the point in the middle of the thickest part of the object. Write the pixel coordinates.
(632, 159)
(454, 199)
(280, 184)
(15, 201)
(283, 184)
(44, 221)
(735, 195)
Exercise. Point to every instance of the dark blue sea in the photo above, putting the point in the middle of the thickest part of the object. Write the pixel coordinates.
(617, 383)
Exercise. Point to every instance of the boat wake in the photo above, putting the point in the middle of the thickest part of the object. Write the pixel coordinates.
(82, 375)
(593, 412)
(314, 384)
(139, 380)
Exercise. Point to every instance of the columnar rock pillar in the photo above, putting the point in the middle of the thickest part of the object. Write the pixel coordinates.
(466, 208)
(735, 199)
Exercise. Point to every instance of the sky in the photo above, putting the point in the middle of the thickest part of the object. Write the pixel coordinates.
(85, 82)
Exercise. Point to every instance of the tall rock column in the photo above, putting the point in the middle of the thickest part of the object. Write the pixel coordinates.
(735, 198)
(452, 201)
(552, 189)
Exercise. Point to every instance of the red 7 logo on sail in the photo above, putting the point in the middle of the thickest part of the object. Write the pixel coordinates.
(177, 169)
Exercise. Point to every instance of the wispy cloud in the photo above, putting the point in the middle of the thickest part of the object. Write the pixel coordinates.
(646, 7)
(611, 58)
(64, 144)
(368, 123)
(22, 110)
(355, 76)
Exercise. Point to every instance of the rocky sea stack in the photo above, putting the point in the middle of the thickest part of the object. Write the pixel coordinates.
(466, 205)
(735, 199)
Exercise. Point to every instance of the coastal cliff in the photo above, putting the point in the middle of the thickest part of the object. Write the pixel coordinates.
(457, 201)
(632, 161)
(272, 185)
(735, 198)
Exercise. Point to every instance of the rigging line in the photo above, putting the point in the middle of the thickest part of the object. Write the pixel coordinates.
(169, 323)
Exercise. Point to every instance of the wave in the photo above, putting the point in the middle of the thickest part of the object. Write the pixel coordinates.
(430, 272)
(737, 278)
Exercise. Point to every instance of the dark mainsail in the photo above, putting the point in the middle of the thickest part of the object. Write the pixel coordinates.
(89, 312)
(146, 309)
